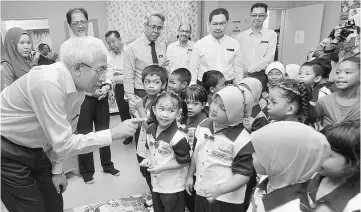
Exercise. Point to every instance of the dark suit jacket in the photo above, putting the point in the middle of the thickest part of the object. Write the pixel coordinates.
(45, 61)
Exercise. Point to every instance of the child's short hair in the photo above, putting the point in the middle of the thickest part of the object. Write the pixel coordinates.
(196, 93)
(300, 93)
(155, 70)
(184, 75)
(344, 138)
(325, 65)
(354, 59)
(211, 78)
(317, 69)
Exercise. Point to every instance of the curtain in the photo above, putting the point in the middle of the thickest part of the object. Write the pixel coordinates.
(128, 18)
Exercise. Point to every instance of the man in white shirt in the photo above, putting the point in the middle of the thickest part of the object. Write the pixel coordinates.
(143, 52)
(95, 108)
(257, 44)
(115, 45)
(39, 115)
(217, 51)
(179, 52)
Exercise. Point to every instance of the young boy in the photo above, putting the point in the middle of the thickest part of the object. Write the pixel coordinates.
(212, 81)
(327, 67)
(154, 79)
(344, 104)
(311, 73)
(179, 79)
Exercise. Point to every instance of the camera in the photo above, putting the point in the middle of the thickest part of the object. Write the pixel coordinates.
(347, 29)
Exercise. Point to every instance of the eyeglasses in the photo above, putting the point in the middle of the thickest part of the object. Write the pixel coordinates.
(254, 15)
(183, 31)
(79, 22)
(221, 24)
(153, 27)
(99, 71)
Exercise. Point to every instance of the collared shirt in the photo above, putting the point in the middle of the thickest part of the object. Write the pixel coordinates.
(169, 147)
(345, 198)
(219, 156)
(257, 48)
(178, 55)
(117, 61)
(41, 110)
(211, 54)
(136, 58)
(291, 198)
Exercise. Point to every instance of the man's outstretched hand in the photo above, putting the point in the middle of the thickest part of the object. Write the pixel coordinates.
(126, 129)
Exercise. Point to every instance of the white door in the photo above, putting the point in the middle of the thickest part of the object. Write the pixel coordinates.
(301, 32)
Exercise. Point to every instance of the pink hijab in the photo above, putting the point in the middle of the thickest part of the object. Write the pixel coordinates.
(290, 152)
(11, 56)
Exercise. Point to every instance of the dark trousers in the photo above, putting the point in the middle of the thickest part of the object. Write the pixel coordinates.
(26, 180)
(97, 112)
(261, 76)
(145, 173)
(168, 202)
(191, 199)
(202, 205)
(123, 106)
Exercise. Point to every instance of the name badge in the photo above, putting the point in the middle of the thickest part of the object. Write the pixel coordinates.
(231, 50)
(160, 56)
(264, 41)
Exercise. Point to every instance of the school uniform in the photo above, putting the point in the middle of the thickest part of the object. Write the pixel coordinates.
(320, 90)
(219, 156)
(140, 142)
(189, 129)
(261, 120)
(343, 198)
(170, 146)
(292, 198)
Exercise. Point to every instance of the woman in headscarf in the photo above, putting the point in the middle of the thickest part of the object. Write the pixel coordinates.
(289, 153)
(15, 56)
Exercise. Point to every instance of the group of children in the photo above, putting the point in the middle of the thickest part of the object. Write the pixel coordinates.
(245, 147)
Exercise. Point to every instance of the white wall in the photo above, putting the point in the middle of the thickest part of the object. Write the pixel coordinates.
(55, 11)
(331, 14)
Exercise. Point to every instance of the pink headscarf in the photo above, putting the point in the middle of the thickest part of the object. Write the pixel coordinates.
(290, 152)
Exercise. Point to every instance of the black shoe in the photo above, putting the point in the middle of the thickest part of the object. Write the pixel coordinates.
(88, 179)
(128, 140)
(114, 172)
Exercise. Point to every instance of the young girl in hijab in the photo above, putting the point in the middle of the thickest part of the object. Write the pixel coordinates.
(259, 116)
(15, 56)
(289, 160)
(222, 159)
(336, 187)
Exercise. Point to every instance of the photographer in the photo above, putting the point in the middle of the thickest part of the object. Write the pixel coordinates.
(338, 43)
(329, 44)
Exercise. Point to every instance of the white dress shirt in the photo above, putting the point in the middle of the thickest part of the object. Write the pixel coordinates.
(211, 54)
(257, 49)
(178, 55)
(41, 110)
(138, 56)
(117, 61)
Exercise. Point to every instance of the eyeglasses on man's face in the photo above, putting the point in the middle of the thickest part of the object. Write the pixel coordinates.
(99, 71)
(77, 23)
(221, 24)
(155, 27)
(255, 15)
(184, 31)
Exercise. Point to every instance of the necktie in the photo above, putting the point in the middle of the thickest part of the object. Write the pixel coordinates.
(154, 54)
